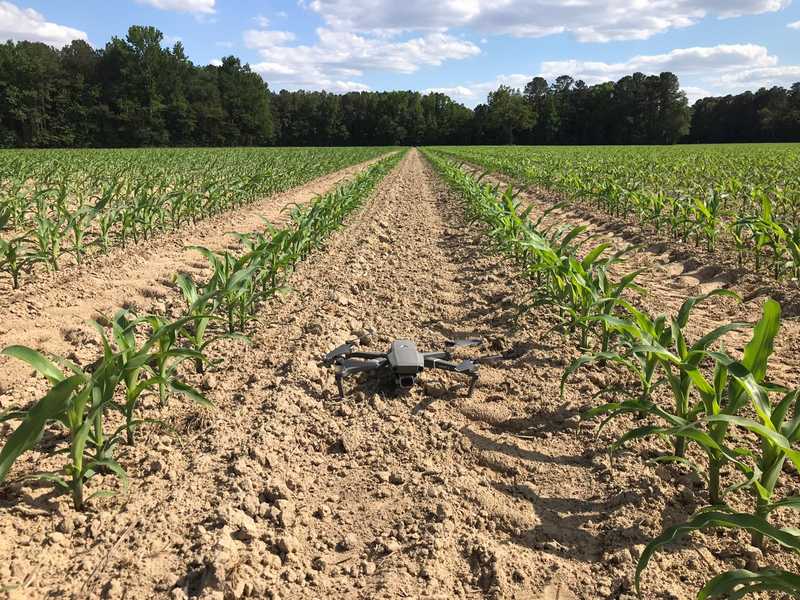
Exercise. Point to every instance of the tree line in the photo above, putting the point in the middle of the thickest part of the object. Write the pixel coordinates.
(136, 92)
(768, 115)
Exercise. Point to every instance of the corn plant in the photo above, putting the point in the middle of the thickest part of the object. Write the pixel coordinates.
(78, 222)
(724, 396)
(48, 236)
(777, 427)
(575, 282)
(707, 215)
(200, 307)
(232, 286)
(149, 366)
(692, 191)
(166, 355)
(711, 390)
(737, 583)
(240, 282)
(78, 402)
(15, 258)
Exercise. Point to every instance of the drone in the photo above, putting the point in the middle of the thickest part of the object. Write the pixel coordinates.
(402, 360)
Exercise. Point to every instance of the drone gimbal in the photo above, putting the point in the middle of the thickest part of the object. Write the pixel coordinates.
(402, 360)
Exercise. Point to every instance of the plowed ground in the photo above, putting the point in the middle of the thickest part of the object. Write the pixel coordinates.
(283, 491)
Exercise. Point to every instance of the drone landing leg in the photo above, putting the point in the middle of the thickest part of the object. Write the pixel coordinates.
(340, 387)
(472, 383)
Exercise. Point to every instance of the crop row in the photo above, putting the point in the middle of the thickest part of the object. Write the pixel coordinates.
(743, 197)
(97, 407)
(69, 203)
(688, 392)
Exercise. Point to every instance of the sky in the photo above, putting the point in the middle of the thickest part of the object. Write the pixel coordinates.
(462, 47)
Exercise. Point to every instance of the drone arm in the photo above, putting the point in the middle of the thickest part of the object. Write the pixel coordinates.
(431, 357)
(466, 366)
(348, 368)
(342, 352)
(367, 355)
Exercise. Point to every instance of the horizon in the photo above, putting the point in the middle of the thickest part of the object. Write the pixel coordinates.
(462, 49)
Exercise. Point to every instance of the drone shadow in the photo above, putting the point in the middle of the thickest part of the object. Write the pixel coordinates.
(563, 523)
(538, 424)
(481, 442)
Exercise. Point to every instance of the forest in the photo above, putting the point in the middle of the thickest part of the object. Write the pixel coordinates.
(135, 92)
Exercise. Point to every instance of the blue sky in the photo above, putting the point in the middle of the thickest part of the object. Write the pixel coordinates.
(462, 47)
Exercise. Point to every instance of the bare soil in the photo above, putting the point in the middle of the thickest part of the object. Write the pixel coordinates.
(283, 491)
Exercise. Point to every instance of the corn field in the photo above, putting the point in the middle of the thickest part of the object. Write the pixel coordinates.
(143, 353)
(686, 392)
(223, 358)
(59, 205)
(743, 199)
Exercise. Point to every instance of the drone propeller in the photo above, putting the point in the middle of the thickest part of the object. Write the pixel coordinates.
(463, 343)
(339, 352)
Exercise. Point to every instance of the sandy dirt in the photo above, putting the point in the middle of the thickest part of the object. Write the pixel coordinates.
(283, 491)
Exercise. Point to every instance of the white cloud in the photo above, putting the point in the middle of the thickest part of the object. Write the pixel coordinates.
(216, 62)
(703, 71)
(205, 7)
(683, 61)
(727, 9)
(472, 94)
(261, 21)
(794, 25)
(339, 57)
(391, 14)
(588, 21)
(694, 93)
(752, 79)
(19, 24)
(266, 39)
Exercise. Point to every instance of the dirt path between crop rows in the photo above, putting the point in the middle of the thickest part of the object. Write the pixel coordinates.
(51, 314)
(285, 492)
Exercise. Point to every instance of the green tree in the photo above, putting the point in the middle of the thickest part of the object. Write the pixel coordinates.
(508, 113)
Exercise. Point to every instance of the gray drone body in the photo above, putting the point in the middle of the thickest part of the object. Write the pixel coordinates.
(402, 359)
(405, 361)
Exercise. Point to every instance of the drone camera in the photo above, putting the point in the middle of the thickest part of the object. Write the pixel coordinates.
(406, 382)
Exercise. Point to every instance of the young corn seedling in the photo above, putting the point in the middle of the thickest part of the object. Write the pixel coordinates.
(79, 223)
(78, 402)
(151, 366)
(165, 356)
(708, 212)
(778, 430)
(15, 258)
(200, 306)
(724, 396)
(48, 236)
(232, 284)
(106, 221)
